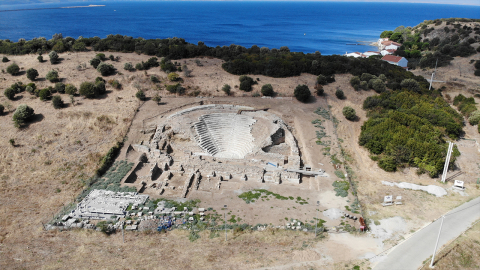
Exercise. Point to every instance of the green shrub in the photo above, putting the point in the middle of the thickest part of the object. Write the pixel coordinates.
(94, 62)
(52, 76)
(319, 90)
(154, 79)
(100, 88)
(387, 164)
(474, 118)
(70, 89)
(129, 67)
(105, 69)
(410, 84)
(176, 88)
(226, 89)
(349, 113)
(246, 83)
(101, 56)
(40, 58)
(57, 102)
(366, 77)
(302, 93)
(322, 80)
(378, 85)
(173, 77)
(87, 89)
(355, 82)
(44, 94)
(22, 115)
(339, 94)
(9, 93)
(267, 90)
(13, 69)
(2, 108)
(5, 59)
(364, 85)
(53, 55)
(60, 88)
(140, 95)
(32, 74)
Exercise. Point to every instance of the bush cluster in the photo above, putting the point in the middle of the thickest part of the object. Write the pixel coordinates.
(408, 129)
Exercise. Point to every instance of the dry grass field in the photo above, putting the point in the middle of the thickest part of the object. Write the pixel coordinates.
(45, 167)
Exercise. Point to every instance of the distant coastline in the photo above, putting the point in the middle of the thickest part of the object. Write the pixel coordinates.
(6, 10)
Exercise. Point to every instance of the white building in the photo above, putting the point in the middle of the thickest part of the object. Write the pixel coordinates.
(396, 60)
(355, 54)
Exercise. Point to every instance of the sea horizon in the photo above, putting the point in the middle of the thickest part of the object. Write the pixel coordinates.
(305, 26)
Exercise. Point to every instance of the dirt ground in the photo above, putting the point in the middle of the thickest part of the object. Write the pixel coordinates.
(45, 167)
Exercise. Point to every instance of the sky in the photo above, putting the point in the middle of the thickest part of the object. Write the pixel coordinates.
(453, 2)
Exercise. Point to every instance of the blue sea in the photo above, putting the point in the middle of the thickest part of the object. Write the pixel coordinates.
(302, 26)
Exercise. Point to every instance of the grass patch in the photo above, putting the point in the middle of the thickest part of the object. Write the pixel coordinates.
(254, 195)
(322, 112)
(341, 188)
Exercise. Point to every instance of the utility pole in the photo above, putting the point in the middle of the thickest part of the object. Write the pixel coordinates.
(431, 80)
(225, 218)
(316, 218)
(436, 244)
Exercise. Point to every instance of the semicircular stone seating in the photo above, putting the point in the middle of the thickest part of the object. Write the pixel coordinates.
(225, 135)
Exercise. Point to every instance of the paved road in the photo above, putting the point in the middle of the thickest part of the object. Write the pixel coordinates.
(411, 253)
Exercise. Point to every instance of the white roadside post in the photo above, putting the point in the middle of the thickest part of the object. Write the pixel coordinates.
(316, 218)
(436, 244)
(225, 218)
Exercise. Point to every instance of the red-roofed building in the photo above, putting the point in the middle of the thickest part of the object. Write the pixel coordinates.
(396, 60)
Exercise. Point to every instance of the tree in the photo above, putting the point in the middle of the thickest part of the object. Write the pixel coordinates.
(339, 94)
(226, 89)
(87, 89)
(40, 58)
(52, 76)
(5, 59)
(60, 88)
(53, 55)
(32, 74)
(366, 77)
(386, 34)
(173, 77)
(410, 84)
(95, 62)
(349, 113)
(140, 95)
(44, 94)
(267, 90)
(129, 67)
(57, 102)
(302, 93)
(105, 69)
(13, 69)
(70, 89)
(2, 108)
(22, 115)
(9, 93)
